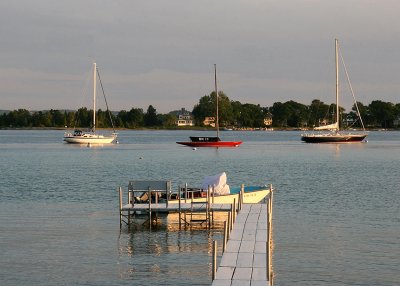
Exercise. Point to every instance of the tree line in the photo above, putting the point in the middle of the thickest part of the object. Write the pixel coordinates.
(290, 114)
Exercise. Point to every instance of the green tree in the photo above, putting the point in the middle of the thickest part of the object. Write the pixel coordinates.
(318, 111)
(252, 115)
(132, 119)
(150, 118)
(225, 110)
(167, 120)
(70, 119)
(354, 117)
(297, 114)
(205, 108)
(280, 114)
(135, 117)
(58, 119)
(84, 117)
(382, 113)
(237, 113)
(19, 118)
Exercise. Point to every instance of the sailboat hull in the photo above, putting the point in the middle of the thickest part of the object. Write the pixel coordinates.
(333, 138)
(212, 144)
(89, 139)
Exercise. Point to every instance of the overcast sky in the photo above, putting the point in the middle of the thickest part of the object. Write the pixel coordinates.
(162, 52)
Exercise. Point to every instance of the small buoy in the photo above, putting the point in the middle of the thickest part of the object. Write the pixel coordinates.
(140, 158)
(194, 148)
(88, 145)
(117, 142)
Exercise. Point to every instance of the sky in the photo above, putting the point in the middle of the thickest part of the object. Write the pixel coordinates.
(162, 52)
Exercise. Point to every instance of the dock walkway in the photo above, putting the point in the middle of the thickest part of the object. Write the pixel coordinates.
(245, 259)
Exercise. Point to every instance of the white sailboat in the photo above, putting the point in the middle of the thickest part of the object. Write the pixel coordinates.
(335, 135)
(90, 137)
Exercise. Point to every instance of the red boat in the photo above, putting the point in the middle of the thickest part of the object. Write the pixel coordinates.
(209, 142)
(213, 141)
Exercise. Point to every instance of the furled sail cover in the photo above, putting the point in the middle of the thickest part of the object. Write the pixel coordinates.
(334, 126)
(219, 183)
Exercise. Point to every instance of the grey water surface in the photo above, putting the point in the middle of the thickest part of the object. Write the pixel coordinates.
(336, 208)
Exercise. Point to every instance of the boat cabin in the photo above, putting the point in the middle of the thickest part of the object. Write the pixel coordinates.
(205, 139)
(78, 132)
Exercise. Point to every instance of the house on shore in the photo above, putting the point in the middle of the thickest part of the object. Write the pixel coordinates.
(209, 121)
(184, 118)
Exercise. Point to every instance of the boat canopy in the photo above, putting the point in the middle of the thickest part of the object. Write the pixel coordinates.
(218, 182)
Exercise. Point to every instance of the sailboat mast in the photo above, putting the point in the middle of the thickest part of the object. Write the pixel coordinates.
(337, 83)
(94, 96)
(216, 99)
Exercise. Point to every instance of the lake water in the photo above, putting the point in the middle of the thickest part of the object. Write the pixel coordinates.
(336, 216)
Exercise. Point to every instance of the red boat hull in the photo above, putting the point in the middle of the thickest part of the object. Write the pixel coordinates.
(212, 144)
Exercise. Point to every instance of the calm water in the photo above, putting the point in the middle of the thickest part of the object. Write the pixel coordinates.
(336, 217)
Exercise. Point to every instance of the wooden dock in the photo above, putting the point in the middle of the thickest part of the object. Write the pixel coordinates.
(247, 243)
(246, 260)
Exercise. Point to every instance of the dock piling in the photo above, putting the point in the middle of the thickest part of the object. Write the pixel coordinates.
(241, 195)
(186, 193)
(229, 225)
(120, 207)
(225, 236)
(214, 263)
(179, 207)
(234, 211)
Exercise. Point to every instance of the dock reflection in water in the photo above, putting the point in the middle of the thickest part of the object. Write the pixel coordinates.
(166, 253)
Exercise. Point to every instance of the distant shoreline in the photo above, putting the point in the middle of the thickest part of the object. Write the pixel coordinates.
(189, 129)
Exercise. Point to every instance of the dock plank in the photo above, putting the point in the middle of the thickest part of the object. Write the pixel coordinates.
(225, 273)
(260, 260)
(259, 274)
(259, 283)
(244, 259)
(247, 246)
(260, 246)
(232, 246)
(229, 259)
(241, 283)
(236, 235)
(218, 282)
(242, 273)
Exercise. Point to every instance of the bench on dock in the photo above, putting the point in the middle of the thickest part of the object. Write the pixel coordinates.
(148, 190)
